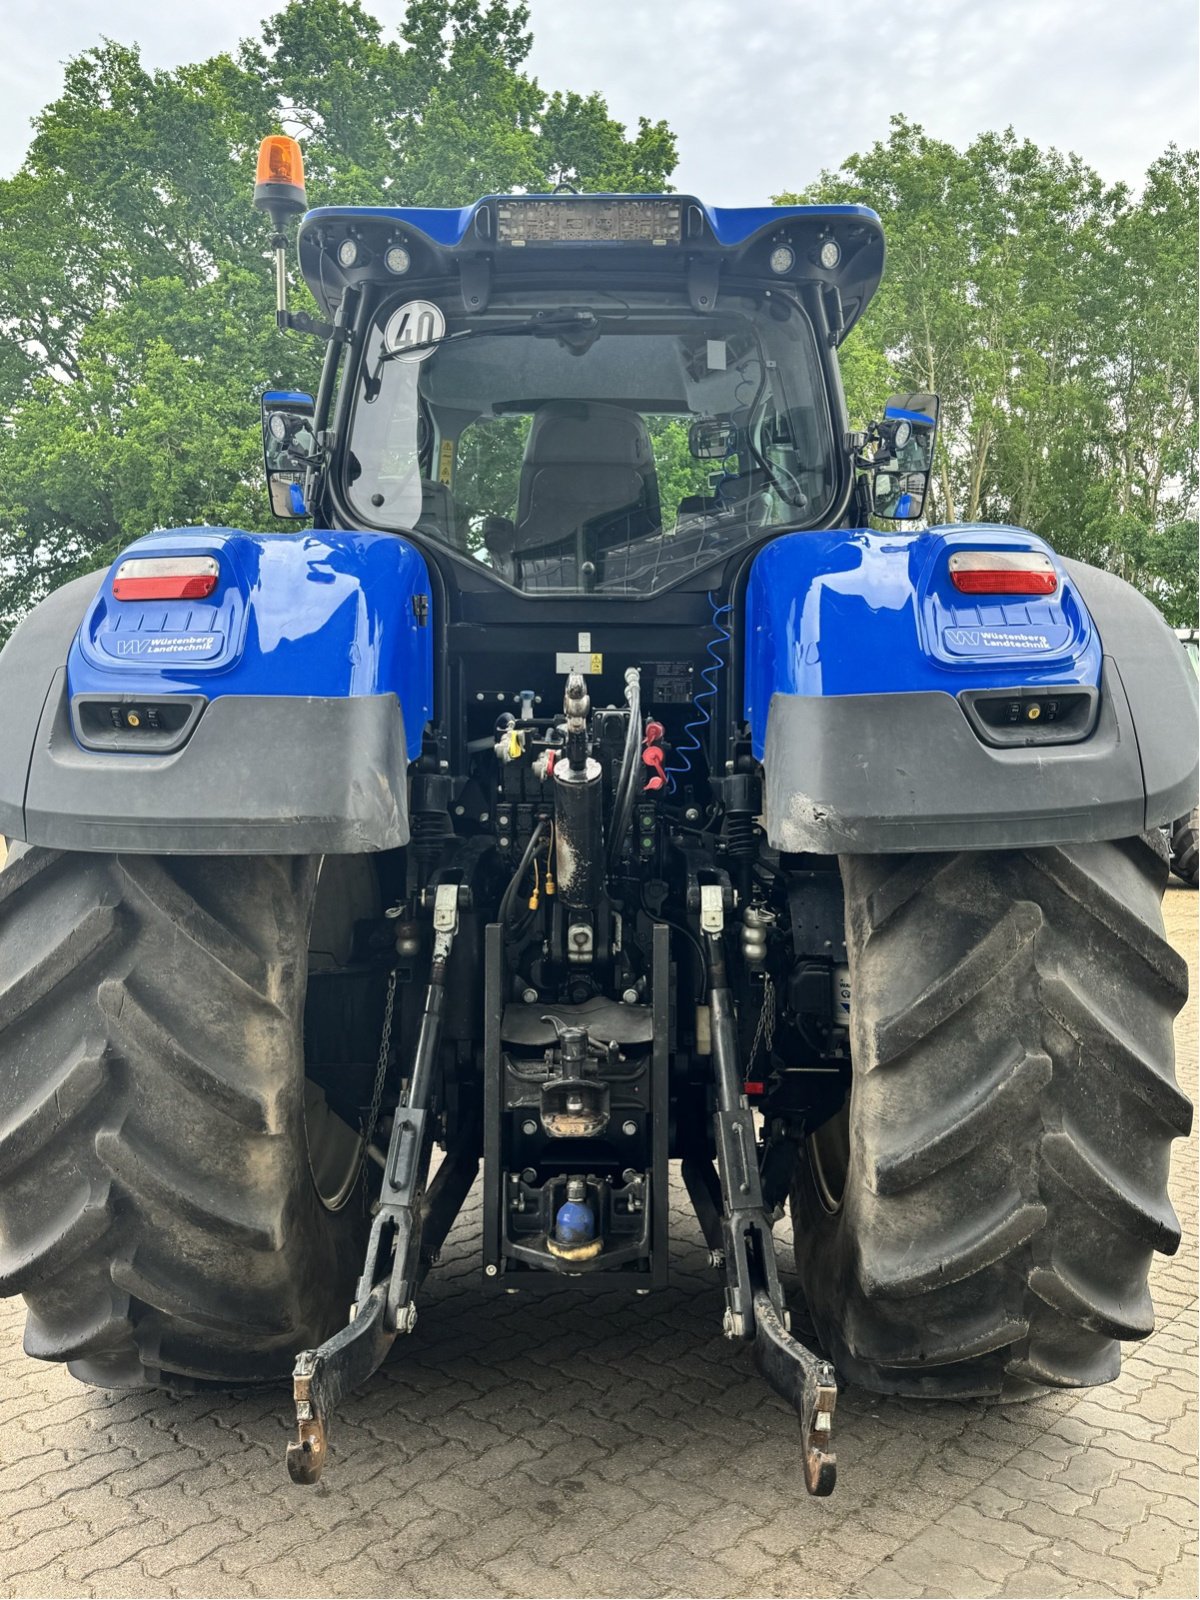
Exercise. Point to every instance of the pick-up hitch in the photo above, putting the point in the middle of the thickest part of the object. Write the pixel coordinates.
(322, 1379)
(807, 1382)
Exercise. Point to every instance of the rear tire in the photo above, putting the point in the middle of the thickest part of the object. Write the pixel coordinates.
(981, 1222)
(1185, 848)
(158, 1210)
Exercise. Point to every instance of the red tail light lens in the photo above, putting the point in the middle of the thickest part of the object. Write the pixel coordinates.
(1002, 572)
(166, 578)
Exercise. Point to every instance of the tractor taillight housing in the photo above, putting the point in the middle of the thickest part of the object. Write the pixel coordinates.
(1002, 572)
(166, 578)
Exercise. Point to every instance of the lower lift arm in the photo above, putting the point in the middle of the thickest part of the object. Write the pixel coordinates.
(754, 1299)
(408, 1227)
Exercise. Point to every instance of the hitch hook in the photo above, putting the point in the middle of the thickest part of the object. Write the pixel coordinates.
(322, 1378)
(807, 1383)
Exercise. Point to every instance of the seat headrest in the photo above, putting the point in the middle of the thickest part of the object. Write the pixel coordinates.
(588, 433)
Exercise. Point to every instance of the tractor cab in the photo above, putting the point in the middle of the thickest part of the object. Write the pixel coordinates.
(600, 395)
(607, 402)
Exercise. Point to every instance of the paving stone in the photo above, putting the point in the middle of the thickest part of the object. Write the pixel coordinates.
(1152, 1546)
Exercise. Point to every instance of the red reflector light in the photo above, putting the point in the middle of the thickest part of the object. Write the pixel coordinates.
(163, 588)
(1002, 572)
(166, 578)
(1005, 582)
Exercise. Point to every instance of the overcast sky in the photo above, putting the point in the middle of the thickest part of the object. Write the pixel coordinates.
(761, 93)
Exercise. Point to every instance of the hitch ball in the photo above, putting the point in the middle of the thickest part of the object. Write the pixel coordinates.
(574, 1237)
(576, 1221)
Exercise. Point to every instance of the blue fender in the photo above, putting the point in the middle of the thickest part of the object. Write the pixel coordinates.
(857, 612)
(321, 614)
(892, 712)
(277, 715)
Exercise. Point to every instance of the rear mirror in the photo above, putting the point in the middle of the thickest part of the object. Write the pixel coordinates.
(903, 459)
(289, 450)
(710, 440)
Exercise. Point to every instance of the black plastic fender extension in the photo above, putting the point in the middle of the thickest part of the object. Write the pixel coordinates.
(862, 774)
(257, 774)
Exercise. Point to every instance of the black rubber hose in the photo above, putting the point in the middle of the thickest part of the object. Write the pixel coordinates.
(514, 883)
(630, 766)
(697, 947)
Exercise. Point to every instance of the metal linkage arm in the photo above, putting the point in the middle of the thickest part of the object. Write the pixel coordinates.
(384, 1302)
(754, 1298)
(323, 1378)
(809, 1383)
(745, 1223)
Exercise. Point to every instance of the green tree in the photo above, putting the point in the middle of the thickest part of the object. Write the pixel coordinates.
(1147, 448)
(135, 279)
(132, 278)
(1056, 316)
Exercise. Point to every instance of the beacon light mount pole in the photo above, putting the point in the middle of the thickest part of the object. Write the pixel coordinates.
(279, 191)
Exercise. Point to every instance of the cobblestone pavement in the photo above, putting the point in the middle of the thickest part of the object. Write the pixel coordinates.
(612, 1447)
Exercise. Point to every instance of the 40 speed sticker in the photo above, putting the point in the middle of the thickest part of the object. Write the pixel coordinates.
(413, 330)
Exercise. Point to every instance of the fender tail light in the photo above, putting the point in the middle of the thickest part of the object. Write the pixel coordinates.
(1002, 572)
(166, 578)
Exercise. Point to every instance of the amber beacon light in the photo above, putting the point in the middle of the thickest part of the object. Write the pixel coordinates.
(279, 190)
(279, 178)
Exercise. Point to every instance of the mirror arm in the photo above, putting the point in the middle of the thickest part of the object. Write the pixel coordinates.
(863, 496)
(341, 333)
(835, 316)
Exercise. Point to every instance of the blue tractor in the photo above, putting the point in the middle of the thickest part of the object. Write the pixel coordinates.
(576, 783)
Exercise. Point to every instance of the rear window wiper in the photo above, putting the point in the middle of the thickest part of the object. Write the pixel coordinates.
(546, 324)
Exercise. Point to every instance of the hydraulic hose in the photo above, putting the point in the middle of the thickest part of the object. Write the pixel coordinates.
(531, 849)
(630, 767)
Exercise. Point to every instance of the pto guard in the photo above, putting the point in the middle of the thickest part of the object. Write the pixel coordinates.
(892, 712)
(278, 714)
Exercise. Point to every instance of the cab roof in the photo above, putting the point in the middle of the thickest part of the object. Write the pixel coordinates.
(839, 247)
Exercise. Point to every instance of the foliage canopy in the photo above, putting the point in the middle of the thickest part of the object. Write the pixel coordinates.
(135, 279)
(1057, 318)
(1056, 315)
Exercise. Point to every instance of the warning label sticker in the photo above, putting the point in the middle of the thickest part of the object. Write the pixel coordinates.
(590, 664)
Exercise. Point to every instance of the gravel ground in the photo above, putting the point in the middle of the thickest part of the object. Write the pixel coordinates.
(612, 1447)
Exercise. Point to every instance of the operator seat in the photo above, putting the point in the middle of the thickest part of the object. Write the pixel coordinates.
(588, 484)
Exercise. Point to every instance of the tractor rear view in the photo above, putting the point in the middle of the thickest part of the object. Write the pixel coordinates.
(581, 786)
